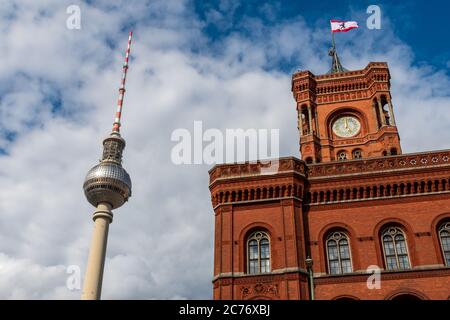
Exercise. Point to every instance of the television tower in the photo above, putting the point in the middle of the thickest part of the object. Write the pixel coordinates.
(106, 186)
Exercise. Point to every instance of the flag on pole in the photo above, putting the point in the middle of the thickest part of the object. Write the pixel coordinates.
(342, 26)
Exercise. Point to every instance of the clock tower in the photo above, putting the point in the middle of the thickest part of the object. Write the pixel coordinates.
(345, 115)
(318, 227)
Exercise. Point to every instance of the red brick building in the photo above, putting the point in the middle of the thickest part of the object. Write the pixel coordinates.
(313, 227)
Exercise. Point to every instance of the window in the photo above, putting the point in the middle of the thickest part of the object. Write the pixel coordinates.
(338, 253)
(444, 238)
(342, 155)
(357, 154)
(304, 127)
(406, 297)
(386, 116)
(258, 252)
(395, 249)
(393, 152)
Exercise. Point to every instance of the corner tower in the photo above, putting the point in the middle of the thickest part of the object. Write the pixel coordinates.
(345, 115)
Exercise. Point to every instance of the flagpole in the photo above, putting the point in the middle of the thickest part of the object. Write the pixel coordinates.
(332, 40)
(336, 64)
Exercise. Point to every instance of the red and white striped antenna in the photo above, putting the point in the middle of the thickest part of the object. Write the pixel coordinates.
(116, 125)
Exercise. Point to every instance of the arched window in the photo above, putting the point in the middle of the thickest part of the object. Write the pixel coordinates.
(338, 253)
(304, 128)
(357, 154)
(406, 297)
(346, 298)
(444, 238)
(258, 252)
(342, 155)
(395, 249)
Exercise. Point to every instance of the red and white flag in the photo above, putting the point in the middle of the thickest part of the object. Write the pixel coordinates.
(342, 26)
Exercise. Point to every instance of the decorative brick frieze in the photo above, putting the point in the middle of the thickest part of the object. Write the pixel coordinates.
(260, 289)
(435, 159)
(347, 86)
(260, 168)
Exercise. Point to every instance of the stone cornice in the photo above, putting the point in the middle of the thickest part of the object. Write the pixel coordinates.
(341, 75)
(261, 276)
(412, 161)
(269, 168)
(385, 200)
(256, 201)
(385, 275)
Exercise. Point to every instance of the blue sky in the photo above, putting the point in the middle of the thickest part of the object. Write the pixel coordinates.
(420, 24)
(227, 64)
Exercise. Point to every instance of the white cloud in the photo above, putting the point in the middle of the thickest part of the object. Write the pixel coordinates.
(24, 279)
(161, 242)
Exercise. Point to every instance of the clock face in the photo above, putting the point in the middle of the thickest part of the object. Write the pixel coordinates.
(346, 127)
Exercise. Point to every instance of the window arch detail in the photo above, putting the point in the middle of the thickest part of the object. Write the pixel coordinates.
(357, 154)
(338, 253)
(342, 155)
(258, 253)
(444, 240)
(395, 249)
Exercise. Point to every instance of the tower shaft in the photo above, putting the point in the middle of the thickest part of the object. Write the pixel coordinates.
(92, 287)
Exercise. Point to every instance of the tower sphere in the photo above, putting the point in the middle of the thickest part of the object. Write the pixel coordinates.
(107, 182)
